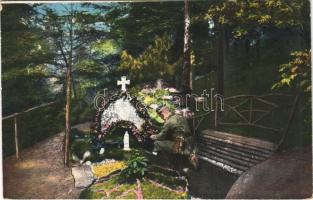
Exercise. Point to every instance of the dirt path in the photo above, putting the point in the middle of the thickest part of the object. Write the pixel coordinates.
(40, 172)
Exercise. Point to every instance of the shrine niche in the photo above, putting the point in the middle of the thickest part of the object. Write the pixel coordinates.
(122, 110)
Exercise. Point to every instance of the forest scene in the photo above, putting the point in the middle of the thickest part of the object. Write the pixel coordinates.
(157, 100)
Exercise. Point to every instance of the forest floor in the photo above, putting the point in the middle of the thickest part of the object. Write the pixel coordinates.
(40, 172)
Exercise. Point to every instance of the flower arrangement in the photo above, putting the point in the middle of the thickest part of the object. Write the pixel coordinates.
(105, 168)
(147, 128)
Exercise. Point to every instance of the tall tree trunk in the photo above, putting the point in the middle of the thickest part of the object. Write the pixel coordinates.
(68, 114)
(220, 61)
(68, 100)
(258, 46)
(186, 82)
(73, 89)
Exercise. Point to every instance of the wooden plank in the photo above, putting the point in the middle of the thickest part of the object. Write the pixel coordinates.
(221, 165)
(225, 162)
(241, 139)
(228, 158)
(247, 148)
(238, 147)
(232, 150)
(229, 153)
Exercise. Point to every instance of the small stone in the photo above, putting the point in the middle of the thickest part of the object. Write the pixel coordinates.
(186, 170)
(86, 155)
(154, 106)
(88, 163)
(102, 150)
(75, 158)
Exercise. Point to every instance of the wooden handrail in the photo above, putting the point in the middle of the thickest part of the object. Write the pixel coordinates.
(15, 115)
(28, 110)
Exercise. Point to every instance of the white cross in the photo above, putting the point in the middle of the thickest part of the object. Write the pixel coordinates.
(123, 82)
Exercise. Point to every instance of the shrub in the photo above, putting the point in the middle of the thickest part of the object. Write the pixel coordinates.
(136, 167)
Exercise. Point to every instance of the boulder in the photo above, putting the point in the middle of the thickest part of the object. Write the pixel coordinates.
(83, 176)
(286, 175)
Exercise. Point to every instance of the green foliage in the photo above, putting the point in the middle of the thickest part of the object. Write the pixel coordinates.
(24, 79)
(149, 190)
(106, 47)
(136, 167)
(149, 99)
(33, 66)
(136, 24)
(296, 73)
(155, 116)
(151, 64)
(77, 40)
(80, 146)
(246, 16)
(155, 98)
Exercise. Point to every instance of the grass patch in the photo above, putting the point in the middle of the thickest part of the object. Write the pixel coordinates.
(114, 189)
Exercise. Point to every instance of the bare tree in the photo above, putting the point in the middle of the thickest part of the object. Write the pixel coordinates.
(71, 34)
(186, 75)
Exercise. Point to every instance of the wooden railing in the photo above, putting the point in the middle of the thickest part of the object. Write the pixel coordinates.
(255, 110)
(15, 117)
(251, 111)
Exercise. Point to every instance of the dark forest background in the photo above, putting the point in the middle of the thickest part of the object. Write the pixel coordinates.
(237, 47)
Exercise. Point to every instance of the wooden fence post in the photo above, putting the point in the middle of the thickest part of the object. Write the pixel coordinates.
(16, 138)
(290, 120)
(215, 115)
(15, 115)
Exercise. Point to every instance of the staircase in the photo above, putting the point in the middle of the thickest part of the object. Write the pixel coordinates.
(233, 153)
